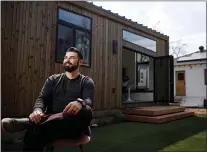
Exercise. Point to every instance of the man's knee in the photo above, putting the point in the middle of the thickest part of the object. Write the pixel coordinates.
(86, 112)
(84, 117)
(11, 125)
(6, 125)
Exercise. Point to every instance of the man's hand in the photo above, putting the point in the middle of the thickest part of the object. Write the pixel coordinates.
(36, 116)
(73, 108)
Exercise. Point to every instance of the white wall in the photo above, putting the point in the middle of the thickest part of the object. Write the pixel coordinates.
(194, 80)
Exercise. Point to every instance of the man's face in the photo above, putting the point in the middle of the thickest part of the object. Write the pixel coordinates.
(71, 61)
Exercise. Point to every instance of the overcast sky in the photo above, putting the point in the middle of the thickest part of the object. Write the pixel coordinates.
(185, 21)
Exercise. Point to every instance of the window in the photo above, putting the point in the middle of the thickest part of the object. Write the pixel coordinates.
(65, 40)
(73, 30)
(140, 72)
(205, 76)
(75, 19)
(139, 40)
(142, 58)
(180, 76)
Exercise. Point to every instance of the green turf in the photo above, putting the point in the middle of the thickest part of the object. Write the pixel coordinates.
(181, 135)
(195, 143)
(185, 135)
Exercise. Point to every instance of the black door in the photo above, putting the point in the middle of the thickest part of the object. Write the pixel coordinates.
(164, 79)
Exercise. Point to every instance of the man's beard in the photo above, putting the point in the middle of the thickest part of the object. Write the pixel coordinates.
(70, 68)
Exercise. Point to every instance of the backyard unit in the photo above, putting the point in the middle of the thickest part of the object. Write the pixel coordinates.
(35, 36)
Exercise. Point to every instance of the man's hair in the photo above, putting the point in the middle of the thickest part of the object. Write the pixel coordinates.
(73, 49)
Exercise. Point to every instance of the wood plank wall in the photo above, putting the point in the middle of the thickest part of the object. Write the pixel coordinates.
(28, 55)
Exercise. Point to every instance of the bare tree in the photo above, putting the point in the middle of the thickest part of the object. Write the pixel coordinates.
(178, 48)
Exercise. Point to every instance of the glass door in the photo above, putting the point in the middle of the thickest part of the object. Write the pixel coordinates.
(163, 79)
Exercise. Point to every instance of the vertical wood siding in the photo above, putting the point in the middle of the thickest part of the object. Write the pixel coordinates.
(28, 55)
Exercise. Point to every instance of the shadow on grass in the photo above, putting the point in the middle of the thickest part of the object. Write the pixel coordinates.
(143, 137)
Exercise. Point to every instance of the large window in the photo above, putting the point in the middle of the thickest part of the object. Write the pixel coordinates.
(73, 30)
(139, 40)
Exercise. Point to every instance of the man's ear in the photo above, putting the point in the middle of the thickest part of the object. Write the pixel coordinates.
(81, 62)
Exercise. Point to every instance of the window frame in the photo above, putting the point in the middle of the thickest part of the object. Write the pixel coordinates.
(74, 28)
(205, 76)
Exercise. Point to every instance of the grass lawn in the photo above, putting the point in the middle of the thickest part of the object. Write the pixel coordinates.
(185, 135)
(194, 143)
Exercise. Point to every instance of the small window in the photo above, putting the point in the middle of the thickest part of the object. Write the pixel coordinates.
(205, 76)
(75, 19)
(180, 76)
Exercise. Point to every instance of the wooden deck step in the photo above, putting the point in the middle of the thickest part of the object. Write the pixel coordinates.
(159, 119)
(153, 111)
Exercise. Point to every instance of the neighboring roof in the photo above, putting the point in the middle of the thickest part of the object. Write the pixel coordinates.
(140, 26)
(189, 63)
(196, 57)
(193, 56)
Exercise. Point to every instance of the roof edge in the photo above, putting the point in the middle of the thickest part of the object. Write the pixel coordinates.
(203, 59)
(121, 19)
(189, 54)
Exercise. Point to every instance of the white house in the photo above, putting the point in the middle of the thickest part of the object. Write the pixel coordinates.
(190, 78)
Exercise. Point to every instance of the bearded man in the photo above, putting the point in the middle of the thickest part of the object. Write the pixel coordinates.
(62, 110)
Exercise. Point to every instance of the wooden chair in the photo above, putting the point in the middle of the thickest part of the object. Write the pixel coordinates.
(66, 142)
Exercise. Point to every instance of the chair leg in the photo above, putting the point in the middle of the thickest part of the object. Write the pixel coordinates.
(81, 148)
